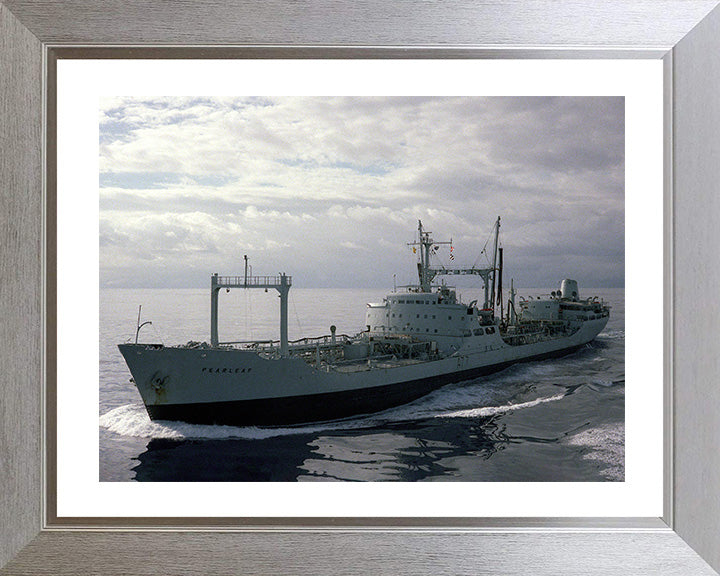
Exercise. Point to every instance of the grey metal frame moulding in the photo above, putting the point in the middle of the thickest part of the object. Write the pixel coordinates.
(686, 33)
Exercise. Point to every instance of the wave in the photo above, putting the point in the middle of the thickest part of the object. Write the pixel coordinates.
(612, 335)
(595, 384)
(605, 445)
(486, 411)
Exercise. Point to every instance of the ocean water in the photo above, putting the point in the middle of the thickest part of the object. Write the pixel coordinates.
(555, 420)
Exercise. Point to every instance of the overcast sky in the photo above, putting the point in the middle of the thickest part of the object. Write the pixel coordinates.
(330, 190)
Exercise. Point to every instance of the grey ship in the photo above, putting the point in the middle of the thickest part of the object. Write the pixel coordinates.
(416, 340)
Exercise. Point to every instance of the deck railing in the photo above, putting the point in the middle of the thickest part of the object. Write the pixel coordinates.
(252, 280)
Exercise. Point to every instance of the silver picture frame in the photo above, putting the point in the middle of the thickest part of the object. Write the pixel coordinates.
(684, 34)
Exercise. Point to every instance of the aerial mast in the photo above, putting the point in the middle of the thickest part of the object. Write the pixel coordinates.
(425, 244)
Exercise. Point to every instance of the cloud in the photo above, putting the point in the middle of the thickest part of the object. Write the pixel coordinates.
(331, 189)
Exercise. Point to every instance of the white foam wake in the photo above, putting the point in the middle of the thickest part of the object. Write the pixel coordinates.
(612, 335)
(133, 420)
(485, 411)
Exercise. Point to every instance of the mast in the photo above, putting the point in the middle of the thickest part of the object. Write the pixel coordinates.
(427, 273)
(494, 264)
(425, 244)
(499, 287)
(511, 303)
(424, 256)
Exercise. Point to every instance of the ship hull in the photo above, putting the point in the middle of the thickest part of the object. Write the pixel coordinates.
(242, 388)
(290, 410)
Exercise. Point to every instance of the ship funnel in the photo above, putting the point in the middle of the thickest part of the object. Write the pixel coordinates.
(569, 290)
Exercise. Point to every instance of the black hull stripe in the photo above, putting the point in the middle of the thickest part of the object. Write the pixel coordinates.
(321, 407)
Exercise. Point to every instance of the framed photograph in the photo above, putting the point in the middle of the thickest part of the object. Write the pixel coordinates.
(330, 177)
(598, 151)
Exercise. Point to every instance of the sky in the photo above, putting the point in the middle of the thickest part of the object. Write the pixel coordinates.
(330, 189)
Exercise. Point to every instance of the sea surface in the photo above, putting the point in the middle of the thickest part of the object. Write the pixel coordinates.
(555, 420)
